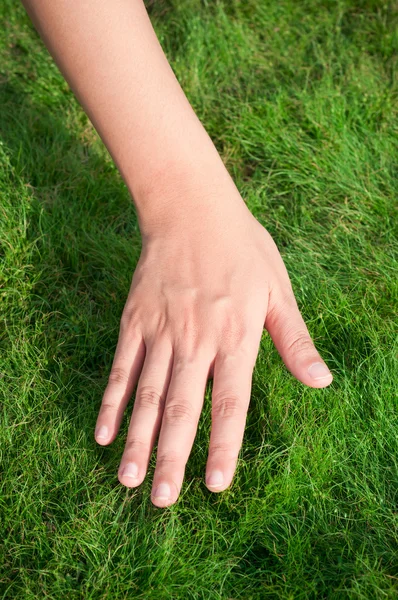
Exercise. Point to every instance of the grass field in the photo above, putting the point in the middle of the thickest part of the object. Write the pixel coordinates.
(301, 100)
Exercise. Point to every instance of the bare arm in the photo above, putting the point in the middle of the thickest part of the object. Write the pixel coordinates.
(209, 278)
(112, 59)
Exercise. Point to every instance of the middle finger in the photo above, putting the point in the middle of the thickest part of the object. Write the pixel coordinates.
(180, 420)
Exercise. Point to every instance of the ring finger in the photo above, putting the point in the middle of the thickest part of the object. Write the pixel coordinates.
(180, 420)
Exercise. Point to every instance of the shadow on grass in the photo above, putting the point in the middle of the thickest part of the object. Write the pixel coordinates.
(85, 242)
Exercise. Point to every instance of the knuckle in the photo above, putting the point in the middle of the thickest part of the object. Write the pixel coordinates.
(188, 346)
(299, 344)
(185, 358)
(177, 412)
(225, 405)
(283, 292)
(187, 316)
(135, 445)
(118, 376)
(159, 327)
(107, 407)
(282, 302)
(237, 335)
(166, 460)
(130, 318)
(149, 397)
(244, 354)
(235, 324)
(225, 449)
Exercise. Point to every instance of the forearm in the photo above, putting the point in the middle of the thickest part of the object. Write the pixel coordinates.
(110, 56)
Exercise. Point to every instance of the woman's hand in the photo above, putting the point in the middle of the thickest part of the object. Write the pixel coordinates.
(205, 286)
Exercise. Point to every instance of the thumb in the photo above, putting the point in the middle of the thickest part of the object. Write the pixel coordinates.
(290, 335)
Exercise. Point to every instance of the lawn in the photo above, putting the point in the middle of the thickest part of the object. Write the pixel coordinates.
(301, 101)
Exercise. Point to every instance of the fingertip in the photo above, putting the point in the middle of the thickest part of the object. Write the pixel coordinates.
(216, 490)
(102, 435)
(129, 482)
(162, 502)
(162, 495)
(319, 371)
(318, 375)
(216, 481)
(130, 475)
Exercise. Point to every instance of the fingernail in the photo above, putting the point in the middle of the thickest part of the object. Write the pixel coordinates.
(130, 470)
(215, 479)
(102, 433)
(319, 371)
(162, 492)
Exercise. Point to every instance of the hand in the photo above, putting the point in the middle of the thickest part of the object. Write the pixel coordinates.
(204, 288)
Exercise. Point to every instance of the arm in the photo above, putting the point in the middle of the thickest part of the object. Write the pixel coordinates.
(209, 277)
(112, 59)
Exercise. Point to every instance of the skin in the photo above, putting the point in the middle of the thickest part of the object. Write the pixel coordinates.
(209, 278)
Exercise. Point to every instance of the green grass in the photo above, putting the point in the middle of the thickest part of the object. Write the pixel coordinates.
(301, 101)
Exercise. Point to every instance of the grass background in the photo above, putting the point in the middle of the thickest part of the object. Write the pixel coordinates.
(301, 100)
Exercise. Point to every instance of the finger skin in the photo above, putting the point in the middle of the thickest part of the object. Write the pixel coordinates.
(290, 335)
(147, 414)
(179, 424)
(126, 367)
(230, 401)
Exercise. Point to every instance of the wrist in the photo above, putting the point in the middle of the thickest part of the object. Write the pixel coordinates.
(185, 194)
